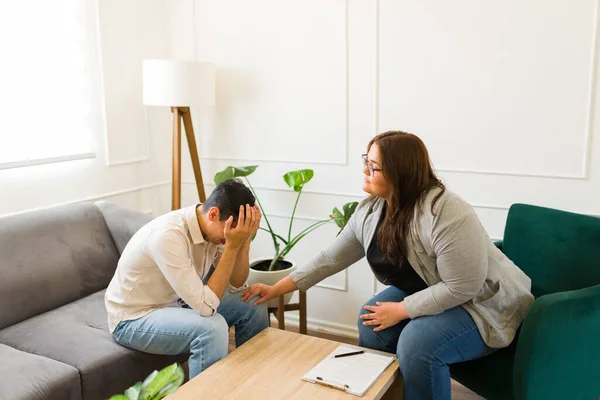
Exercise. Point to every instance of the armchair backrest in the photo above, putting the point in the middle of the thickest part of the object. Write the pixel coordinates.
(558, 250)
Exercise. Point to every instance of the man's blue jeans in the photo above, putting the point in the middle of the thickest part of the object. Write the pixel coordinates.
(425, 346)
(175, 330)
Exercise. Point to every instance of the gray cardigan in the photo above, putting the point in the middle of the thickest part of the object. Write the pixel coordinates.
(452, 253)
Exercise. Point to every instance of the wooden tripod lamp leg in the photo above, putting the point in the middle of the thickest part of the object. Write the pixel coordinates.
(191, 139)
(176, 185)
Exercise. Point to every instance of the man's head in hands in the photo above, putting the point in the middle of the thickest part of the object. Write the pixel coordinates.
(222, 208)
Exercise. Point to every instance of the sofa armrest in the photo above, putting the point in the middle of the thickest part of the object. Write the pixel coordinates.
(558, 349)
(498, 244)
(122, 222)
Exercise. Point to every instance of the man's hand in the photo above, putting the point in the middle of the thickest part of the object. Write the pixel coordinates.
(247, 224)
(265, 292)
(256, 222)
(257, 218)
(241, 267)
(384, 314)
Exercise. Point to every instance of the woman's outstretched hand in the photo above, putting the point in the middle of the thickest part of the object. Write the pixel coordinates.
(384, 314)
(265, 292)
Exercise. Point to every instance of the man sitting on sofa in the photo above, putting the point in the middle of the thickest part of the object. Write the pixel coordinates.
(172, 258)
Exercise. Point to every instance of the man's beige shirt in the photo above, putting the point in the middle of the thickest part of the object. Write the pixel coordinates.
(164, 261)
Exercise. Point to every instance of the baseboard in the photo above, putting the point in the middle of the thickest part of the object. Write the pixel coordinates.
(322, 326)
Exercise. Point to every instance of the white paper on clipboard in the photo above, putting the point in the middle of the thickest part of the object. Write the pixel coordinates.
(353, 374)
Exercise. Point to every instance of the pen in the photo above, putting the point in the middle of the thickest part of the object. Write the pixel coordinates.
(331, 384)
(349, 354)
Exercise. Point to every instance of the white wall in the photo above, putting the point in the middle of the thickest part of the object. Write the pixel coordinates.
(132, 166)
(502, 93)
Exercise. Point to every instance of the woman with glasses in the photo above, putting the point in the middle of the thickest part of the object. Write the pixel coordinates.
(452, 295)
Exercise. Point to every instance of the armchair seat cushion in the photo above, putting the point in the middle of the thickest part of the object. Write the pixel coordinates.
(77, 334)
(26, 376)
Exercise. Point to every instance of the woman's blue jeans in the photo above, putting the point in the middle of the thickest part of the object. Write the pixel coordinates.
(425, 346)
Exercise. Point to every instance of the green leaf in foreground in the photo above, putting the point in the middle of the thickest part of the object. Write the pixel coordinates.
(133, 393)
(152, 389)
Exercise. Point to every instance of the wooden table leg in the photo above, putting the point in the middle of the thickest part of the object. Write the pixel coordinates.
(302, 312)
(395, 392)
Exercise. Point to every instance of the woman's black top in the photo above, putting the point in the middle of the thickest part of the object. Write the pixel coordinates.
(402, 276)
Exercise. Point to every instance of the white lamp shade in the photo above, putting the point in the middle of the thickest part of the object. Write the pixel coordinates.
(178, 83)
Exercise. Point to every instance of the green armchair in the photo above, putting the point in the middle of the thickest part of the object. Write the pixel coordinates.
(556, 354)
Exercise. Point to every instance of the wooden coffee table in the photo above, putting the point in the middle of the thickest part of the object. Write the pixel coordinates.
(271, 365)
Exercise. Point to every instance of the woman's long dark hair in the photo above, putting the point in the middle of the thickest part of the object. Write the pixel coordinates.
(406, 166)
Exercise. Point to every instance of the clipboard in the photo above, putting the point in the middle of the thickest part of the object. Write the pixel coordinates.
(353, 374)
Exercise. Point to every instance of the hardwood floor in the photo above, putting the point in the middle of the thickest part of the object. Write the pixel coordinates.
(459, 392)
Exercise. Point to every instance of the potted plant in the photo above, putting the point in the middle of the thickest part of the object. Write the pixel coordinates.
(269, 270)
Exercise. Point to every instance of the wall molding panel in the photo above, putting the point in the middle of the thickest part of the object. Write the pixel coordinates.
(587, 134)
(343, 131)
(126, 131)
(145, 157)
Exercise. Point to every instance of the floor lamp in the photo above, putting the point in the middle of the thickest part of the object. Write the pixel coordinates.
(179, 85)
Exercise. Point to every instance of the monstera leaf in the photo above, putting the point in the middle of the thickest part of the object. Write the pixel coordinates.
(349, 209)
(341, 218)
(297, 179)
(234, 172)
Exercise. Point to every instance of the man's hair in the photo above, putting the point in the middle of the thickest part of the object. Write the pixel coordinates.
(228, 196)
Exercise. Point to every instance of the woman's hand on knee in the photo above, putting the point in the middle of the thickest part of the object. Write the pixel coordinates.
(265, 293)
(384, 315)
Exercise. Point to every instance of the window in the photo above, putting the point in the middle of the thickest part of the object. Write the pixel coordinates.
(50, 103)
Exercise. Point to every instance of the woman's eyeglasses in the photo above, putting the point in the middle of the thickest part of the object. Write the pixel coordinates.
(368, 165)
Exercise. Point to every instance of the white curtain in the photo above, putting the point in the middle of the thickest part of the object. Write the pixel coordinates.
(50, 102)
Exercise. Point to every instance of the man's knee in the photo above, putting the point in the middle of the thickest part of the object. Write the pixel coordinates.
(221, 329)
(217, 334)
(258, 316)
(258, 312)
(262, 312)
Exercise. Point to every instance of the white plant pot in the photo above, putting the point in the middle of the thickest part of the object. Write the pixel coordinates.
(270, 278)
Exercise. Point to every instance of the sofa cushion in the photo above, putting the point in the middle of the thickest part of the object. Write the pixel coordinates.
(77, 334)
(122, 222)
(25, 376)
(558, 250)
(51, 257)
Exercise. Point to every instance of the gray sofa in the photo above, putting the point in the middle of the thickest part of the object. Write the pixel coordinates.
(55, 265)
